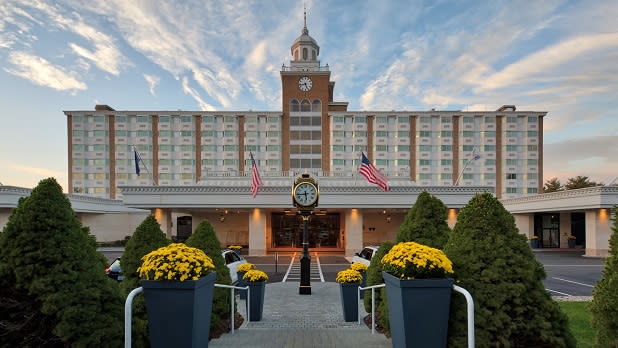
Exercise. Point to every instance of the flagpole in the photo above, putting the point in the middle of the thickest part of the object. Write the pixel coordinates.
(357, 169)
(466, 166)
(145, 166)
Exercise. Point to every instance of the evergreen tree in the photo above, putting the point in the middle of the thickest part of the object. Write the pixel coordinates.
(579, 182)
(426, 222)
(552, 185)
(47, 254)
(604, 306)
(493, 261)
(147, 237)
(206, 239)
(374, 277)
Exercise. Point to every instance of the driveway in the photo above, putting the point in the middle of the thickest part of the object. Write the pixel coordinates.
(569, 273)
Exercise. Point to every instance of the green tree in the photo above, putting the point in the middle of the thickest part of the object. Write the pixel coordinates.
(552, 185)
(374, 277)
(206, 239)
(47, 254)
(579, 182)
(604, 306)
(147, 237)
(493, 261)
(426, 222)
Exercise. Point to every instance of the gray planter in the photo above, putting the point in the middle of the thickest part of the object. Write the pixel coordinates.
(418, 311)
(178, 312)
(256, 307)
(349, 301)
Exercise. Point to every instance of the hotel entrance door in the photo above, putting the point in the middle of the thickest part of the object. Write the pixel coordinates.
(287, 231)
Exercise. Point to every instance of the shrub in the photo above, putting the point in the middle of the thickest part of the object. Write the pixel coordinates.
(147, 237)
(47, 254)
(604, 306)
(205, 239)
(374, 277)
(494, 262)
(426, 222)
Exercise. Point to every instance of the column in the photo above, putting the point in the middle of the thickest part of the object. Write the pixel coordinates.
(525, 224)
(598, 230)
(257, 232)
(164, 218)
(353, 234)
(565, 228)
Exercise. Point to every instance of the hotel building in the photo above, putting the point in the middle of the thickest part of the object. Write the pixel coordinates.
(200, 160)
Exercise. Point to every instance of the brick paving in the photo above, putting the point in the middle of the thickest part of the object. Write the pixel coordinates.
(293, 320)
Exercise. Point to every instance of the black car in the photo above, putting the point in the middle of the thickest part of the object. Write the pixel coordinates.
(114, 271)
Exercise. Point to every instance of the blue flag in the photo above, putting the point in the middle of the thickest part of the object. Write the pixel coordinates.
(137, 159)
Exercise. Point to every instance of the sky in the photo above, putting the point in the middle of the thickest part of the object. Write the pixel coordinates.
(554, 56)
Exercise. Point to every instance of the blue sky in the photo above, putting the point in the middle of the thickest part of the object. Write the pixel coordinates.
(555, 56)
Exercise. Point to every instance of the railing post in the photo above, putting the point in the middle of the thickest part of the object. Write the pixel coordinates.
(373, 311)
(128, 306)
(470, 307)
(232, 313)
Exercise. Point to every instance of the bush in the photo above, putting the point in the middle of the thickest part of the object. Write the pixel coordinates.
(494, 262)
(374, 277)
(47, 254)
(205, 239)
(426, 222)
(604, 306)
(147, 237)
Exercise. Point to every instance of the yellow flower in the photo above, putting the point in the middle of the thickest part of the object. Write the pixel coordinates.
(349, 276)
(175, 262)
(359, 266)
(410, 260)
(255, 275)
(244, 267)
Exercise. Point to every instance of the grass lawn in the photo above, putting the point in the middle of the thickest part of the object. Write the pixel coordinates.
(579, 321)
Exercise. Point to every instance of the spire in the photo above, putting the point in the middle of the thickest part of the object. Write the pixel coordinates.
(305, 30)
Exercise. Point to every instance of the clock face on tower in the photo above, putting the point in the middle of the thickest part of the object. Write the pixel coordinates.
(305, 194)
(305, 84)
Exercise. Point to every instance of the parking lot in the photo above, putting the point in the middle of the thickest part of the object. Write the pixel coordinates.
(568, 272)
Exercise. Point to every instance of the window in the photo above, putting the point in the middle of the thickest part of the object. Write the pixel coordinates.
(316, 106)
(532, 190)
(490, 120)
(490, 176)
(532, 134)
(490, 162)
(532, 119)
(446, 134)
(446, 162)
(80, 119)
(532, 148)
(230, 147)
(99, 119)
(272, 147)
(468, 119)
(511, 148)
(338, 119)
(186, 133)
(403, 148)
(424, 162)
(446, 176)
(490, 134)
(380, 119)
(511, 176)
(403, 134)
(305, 105)
(511, 190)
(424, 134)
(403, 162)
(468, 176)
(512, 134)
(468, 148)
(424, 148)
(468, 134)
(511, 119)
(511, 162)
(381, 148)
(532, 176)
(230, 133)
(489, 148)
(121, 133)
(164, 119)
(445, 119)
(446, 148)
(305, 53)
(425, 119)
(403, 119)
(143, 119)
(532, 162)
(381, 134)
(164, 133)
(78, 133)
(188, 162)
(424, 176)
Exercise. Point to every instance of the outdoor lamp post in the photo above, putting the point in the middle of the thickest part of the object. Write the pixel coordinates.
(305, 196)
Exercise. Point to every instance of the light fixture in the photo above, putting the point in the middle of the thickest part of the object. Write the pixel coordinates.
(388, 219)
(221, 218)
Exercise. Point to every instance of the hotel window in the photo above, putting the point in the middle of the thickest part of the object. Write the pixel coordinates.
(468, 119)
(532, 134)
(403, 119)
(445, 119)
(532, 148)
(272, 162)
(511, 148)
(143, 133)
(229, 119)
(360, 134)
(316, 106)
(424, 162)
(186, 119)
(489, 148)
(424, 148)
(511, 119)
(272, 119)
(121, 133)
(187, 162)
(532, 176)
(272, 147)
(446, 162)
(338, 119)
(446, 147)
(489, 134)
(165, 148)
(512, 134)
(489, 176)
(230, 133)
(511, 176)
(381, 119)
(80, 119)
(424, 134)
(360, 119)
(403, 148)
(490, 162)
(403, 134)
(511, 162)
(99, 119)
(187, 148)
(468, 148)
(208, 119)
(532, 190)
(532, 162)
(511, 190)
(123, 148)
(186, 133)
(446, 134)
(337, 148)
(253, 148)
(357, 148)
(164, 133)
(468, 176)
(446, 176)
(425, 119)
(381, 148)
(98, 133)
(230, 148)
(143, 119)
(424, 176)
(305, 105)
(78, 133)
(338, 162)
(532, 119)
(490, 120)
(164, 119)
(381, 134)
(468, 134)
(403, 162)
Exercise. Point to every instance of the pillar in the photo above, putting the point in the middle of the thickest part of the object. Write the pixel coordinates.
(353, 234)
(565, 228)
(164, 218)
(598, 231)
(525, 224)
(257, 232)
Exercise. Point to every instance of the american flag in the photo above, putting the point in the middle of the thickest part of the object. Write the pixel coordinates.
(256, 181)
(372, 174)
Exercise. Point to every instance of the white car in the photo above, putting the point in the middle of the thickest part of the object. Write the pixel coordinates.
(366, 254)
(232, 261)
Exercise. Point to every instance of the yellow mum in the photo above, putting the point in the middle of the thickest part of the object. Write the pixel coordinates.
(410, 260)
(349, 276)
(175, 262)
(255, 275)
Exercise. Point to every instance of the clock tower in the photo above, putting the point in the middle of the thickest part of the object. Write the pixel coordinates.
(307, 97)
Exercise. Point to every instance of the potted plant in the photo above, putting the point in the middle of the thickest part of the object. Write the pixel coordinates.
(362, 269)
(418, 289)
(534, 242)
(571, 241)
(241, 270)
(235, 248)
(256, 280)
(349, 280)
(178, 284)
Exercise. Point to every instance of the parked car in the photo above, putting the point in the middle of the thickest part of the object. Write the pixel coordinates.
(232, 261)
(366, 254)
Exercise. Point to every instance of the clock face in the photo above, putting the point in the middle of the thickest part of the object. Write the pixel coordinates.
(305, 194)
(305, 84)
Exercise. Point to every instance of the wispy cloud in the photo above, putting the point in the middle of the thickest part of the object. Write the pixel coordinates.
(153, 81)
(193, 93)
(42, 72)
(42, 172)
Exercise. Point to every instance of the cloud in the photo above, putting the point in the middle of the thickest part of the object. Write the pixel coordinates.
(41, 72)
(153, 81)
(41, 172)
(193, 93)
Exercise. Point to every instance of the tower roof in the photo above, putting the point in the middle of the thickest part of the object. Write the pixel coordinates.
(305, 38)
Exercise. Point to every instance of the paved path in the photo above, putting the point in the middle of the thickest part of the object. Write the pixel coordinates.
(293, 320)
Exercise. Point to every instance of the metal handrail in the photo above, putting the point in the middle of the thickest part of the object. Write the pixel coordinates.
(128, 307)
(373, 304)
(467, 295)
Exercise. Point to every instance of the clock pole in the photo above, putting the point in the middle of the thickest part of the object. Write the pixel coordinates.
(305, 260)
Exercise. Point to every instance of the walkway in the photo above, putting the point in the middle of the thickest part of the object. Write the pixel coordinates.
(293, 320)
